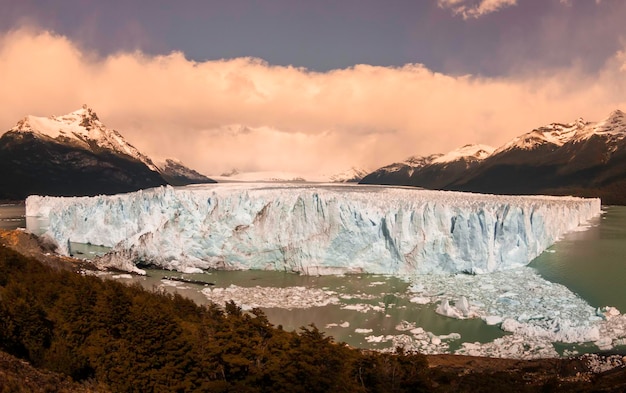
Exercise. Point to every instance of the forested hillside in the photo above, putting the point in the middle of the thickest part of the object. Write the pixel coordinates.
(82, 333)
(130, 339)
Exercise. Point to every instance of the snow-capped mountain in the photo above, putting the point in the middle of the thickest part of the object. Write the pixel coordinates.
(81, 128)
(352, 175)
(433, 171)
(467, 152)
(177, 174)
(578, 158)
(558, 134)
(73, 154)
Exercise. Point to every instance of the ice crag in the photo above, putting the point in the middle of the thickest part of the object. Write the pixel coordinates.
(314, 229)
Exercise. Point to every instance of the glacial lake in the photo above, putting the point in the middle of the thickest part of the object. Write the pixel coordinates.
(360, 309)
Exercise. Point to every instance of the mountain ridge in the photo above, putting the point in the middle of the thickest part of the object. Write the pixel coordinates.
(579, 158)
(75, 155)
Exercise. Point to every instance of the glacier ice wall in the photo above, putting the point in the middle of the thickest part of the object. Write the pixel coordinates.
(314, 229)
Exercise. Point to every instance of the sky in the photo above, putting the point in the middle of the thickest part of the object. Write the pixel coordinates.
(313, 87)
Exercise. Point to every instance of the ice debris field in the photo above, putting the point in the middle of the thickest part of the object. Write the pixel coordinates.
(431, 238)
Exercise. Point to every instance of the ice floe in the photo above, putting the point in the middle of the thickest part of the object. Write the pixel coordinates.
(270, 297)
(535, 311)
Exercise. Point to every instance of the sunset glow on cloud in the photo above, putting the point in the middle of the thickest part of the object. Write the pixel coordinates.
(469, 9)
(246, 113)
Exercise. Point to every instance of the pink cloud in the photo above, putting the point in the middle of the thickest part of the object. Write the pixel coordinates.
(247, 114)
(475, 9)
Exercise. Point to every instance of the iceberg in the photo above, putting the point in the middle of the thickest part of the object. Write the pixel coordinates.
(313, 228)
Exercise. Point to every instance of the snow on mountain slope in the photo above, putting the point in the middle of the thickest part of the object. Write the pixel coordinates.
(468, 152)
(81, 128)
(176, 173)
(614, 124)
(412, 164)
(407, 167)
(555, 133)
(314, 229)
(352, 175)
(559, 134)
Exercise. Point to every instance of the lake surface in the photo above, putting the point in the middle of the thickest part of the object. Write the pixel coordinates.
(591, 263)
(362, 310)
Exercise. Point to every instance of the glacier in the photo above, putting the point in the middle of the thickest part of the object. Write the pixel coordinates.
(313, 228)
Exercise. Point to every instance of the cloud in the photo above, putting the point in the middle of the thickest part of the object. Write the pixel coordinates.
(475, 9)
(244, 113)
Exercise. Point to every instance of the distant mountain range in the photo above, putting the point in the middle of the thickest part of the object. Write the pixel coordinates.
(76, 154)
(351, 175)
(579, 158)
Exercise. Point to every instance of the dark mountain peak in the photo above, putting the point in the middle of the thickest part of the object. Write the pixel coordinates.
(418, 161)
(89, 117)
(177, 174)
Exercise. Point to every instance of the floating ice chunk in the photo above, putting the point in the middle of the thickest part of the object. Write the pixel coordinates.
(378, 339)
(536, 312)
(607, 312)
(460, 310)
(364, 308)
(416, 331)
(124, 276)
(512, 346)
(271, 297)
(191, 270)
(447, 310)
(343, 325)
(463, 306)
(420, 300)
(493, 320)
(406, 326)
(604, 343)
(363, 331)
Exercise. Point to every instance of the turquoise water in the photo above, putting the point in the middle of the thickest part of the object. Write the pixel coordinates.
(592, 263)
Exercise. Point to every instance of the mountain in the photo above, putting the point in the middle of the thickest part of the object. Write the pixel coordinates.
(434, 171)
(177, 174)
(579, 158)
(73, 154)
(352, 175)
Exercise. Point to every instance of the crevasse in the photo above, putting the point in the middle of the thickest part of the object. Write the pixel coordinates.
(314, 229)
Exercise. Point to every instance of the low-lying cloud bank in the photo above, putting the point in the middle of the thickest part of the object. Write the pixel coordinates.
(244, 113)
